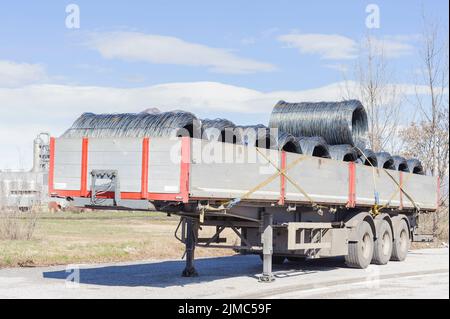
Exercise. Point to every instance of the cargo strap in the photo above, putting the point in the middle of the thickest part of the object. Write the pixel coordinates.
(376, 193)
(376, 208)
(283, 172)
(400, 188)
(280, 172)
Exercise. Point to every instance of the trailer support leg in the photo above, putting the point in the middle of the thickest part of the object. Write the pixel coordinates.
(191, 236)
(267, 241)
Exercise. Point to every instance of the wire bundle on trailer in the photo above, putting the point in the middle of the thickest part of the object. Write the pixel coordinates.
(335, 130)
(258, 135)
(337, 122)
(345, 153)
(415, 166)
(400, 164)
(289, 143)
(385, 160)
(134, 125)
(221, 130)
(368, 158)
(314, 146)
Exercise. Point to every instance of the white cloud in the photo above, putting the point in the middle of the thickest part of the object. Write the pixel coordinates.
(248, 40)
(93, 68)
(28, 110)
(338, 67)
(263, 35)
(14, 74)
(390, 47)
(134, 46)
(338, 47)
(327, 46)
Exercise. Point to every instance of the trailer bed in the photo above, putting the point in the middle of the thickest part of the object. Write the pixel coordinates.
(186, 169)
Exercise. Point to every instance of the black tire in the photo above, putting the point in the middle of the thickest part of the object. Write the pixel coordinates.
(276, 260)
(296, 259)
(401, 242)
(360, 253)
(383, 244)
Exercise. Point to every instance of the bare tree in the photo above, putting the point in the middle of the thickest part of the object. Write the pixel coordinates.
(428, 138)
(434, 75)
(377, 91)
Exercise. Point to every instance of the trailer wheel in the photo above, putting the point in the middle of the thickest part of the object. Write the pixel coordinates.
(401, 242)
(360, 253)
(383, 244)
(276, 260)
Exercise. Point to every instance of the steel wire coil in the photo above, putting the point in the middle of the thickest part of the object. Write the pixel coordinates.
(337, 122)
(221, 130)
(174, 123)
(258, 136)
(345, 153)
(400, 164)
(368, 158)
(314, 146)
(415, 166)
(289, 143)
(385, 160)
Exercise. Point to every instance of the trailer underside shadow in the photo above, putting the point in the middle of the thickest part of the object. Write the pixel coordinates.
(167, 273)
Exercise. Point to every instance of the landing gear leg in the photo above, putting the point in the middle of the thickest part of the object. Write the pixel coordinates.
(191, 236)
(267, 241)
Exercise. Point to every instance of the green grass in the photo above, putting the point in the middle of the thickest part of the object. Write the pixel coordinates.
(91, 237)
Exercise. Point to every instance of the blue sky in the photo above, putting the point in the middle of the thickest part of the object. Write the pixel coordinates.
(232, 58)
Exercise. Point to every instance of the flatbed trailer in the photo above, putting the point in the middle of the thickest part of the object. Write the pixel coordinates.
(280, 204)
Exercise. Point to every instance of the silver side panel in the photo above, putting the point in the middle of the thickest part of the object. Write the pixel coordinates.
(244, 169)
(323, 180)
(67, 164)
(123, 155)
(227, 171)
(422, 189)
(164, 166)
(370, 180)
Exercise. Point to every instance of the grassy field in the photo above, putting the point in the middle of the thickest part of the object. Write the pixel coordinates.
(91, 237)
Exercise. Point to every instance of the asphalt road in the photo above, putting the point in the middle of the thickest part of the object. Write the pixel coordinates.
(425, 274)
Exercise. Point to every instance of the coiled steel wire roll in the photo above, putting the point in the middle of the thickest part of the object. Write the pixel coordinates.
(368, 158)
(221, 130)
(415, 166)
(299, 118)
(385, 160)
(400, 164)
(258, 135)
(314, 146)
(337, 122)
(289, 143)
(135, 125)
(345, 153)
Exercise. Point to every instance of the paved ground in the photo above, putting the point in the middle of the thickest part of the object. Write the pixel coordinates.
(425, 274)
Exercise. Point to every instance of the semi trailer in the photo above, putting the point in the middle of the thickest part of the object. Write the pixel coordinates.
(281, 205)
